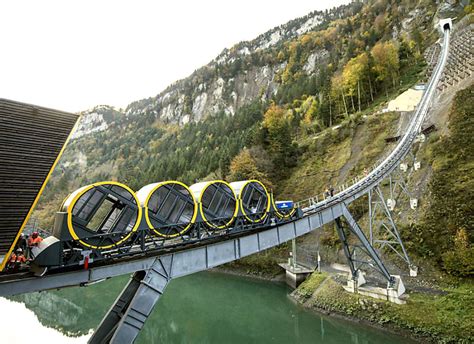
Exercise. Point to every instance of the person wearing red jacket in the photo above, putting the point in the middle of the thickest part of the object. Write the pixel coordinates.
(16, 259)
(34, 240)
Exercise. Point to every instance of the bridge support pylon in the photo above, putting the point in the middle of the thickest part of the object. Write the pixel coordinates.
(128, 314)
(383, 231)
(355, 254)
(362, 246)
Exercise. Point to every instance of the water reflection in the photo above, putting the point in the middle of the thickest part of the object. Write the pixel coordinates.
(74, 311)
(202, 308)
(20, 325)
(55, 311)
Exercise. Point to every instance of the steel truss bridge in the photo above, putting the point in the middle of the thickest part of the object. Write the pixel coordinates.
(153, 270)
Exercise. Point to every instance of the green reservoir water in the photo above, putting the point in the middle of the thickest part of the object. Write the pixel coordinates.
(202, 308)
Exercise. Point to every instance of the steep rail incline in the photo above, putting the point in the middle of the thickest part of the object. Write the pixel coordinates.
(387, 166)
(172, 264)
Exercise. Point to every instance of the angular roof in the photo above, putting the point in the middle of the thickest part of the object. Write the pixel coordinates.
(32, 139)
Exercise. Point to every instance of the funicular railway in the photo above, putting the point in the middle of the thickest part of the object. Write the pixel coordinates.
(167, 230)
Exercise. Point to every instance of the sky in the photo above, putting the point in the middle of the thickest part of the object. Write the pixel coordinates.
(73, 55)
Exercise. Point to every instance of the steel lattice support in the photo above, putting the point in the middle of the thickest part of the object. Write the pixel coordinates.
(126, 318)
(398, 186)
(363, 246)
(382, 229)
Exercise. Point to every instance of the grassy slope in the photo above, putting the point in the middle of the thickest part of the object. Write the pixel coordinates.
(444, 317)
(449, 211)
(328, 153)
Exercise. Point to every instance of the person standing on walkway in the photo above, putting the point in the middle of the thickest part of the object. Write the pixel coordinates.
(22, 243)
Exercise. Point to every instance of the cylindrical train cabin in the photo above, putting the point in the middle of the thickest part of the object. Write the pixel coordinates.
(217, 203)
(102, 215)
(283, 209)
(253, 198)
(170, 208)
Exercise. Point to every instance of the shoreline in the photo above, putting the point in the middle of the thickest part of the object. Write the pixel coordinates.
(235, 272)
(341, 316)
(280, 278)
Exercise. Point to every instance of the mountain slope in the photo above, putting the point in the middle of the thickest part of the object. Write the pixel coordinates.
(305, 71)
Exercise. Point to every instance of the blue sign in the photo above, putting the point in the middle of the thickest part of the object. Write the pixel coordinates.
(282, 205)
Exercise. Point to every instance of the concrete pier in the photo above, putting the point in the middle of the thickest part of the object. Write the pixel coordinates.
(392, 294)
(296, 274)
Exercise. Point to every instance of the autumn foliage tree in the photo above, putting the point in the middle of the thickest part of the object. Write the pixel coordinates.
(355, 72)
(277, 135)
(386, 62)
(338, 93)
(251, 163)
(460, 261)
(309, 113)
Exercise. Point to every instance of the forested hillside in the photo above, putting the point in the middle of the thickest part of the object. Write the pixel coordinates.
(254, 110)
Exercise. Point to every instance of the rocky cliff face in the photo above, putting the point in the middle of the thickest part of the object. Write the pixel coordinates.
(223, 93)
(213, 96)
(96, 120)
(236, 77)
